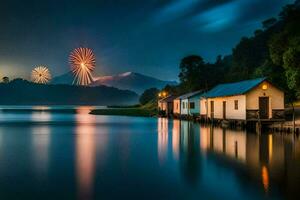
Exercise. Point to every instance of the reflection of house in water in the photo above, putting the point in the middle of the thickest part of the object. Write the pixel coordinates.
(185, 149)
(229, 142)
(162, 138)
(272, 160)
(176, 138)
(190, 157)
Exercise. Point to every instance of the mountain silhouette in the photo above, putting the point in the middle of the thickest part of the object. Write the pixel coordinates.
(126, 81)
(22, 92)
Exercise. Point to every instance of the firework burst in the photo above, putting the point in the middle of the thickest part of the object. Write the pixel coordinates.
(40, 74)
(82, 62)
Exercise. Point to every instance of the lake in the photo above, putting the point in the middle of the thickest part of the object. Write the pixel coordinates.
(65, 153)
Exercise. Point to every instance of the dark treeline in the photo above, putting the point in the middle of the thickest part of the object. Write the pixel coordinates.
(22, 92)
(273, 51)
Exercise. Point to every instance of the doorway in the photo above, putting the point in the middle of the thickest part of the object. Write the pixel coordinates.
(264, 107)
(212, 109)
(224, 109)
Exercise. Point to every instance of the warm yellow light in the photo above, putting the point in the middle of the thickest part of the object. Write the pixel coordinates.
(159, 94)
(264, 86)
(40, 74)
(164, 94)
(270, 146)
(265, 177)
(82, 62)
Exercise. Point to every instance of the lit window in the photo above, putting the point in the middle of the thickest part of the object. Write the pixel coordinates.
(236, 104)
(264, 86)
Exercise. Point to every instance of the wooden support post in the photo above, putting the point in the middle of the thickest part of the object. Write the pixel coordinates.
(258, 127)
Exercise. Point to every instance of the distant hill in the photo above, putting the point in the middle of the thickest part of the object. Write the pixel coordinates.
(66, 78)
(21, 92)
(127, 81)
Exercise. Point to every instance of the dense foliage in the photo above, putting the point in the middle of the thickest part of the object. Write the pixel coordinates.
(273, 51)
(148, 95)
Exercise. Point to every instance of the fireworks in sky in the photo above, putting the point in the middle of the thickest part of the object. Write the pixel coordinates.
(82, 62)
(40, 74)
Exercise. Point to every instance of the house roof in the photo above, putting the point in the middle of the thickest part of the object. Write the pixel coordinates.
(169, 98)
(232, 89)
(190, 95)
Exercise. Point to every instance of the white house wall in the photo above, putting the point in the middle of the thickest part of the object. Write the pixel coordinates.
(203, 107)
(231, 113)
(176, 106)
(184, 106)
(196, 110)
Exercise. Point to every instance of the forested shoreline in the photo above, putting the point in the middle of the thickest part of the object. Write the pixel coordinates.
(273, 52)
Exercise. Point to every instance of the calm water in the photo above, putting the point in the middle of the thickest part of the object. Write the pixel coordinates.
(67, 154)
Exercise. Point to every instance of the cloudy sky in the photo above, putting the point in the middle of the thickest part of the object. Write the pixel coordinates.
(148, 37)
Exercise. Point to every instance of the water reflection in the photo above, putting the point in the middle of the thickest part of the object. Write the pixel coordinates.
(41, 136)
(162, 131)
(176, 138)
(271, 161)
(229, 142)
(85, 152)
(190, 157)
(184, 140)
(41, 115)
(128, 157)
(265, 177)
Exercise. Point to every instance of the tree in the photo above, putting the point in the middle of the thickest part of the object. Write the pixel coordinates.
(288, 12)
(195, 74)
(269, 22)
(249, 54)
(172, 90)
(291, 62)
(148, 95)
(192, 69)
(277, 47)
(5, 79)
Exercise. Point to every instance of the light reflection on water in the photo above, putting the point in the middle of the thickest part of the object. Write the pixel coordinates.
(129, 157)
(176, 138)
(85, 152)
(162, 141)
(269, 160)
(40, 149)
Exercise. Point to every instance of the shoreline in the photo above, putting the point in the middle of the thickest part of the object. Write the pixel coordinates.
(125, 111)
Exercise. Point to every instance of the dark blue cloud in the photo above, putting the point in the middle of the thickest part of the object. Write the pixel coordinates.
(217, 18)
(217, 15)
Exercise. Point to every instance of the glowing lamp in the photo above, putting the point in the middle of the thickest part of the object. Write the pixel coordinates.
(264, 86)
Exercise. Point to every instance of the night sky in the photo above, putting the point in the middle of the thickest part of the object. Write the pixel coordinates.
(149, 37)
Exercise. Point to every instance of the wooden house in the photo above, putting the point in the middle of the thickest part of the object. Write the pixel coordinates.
(166, 105)
(187, 104)
(256, 99)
